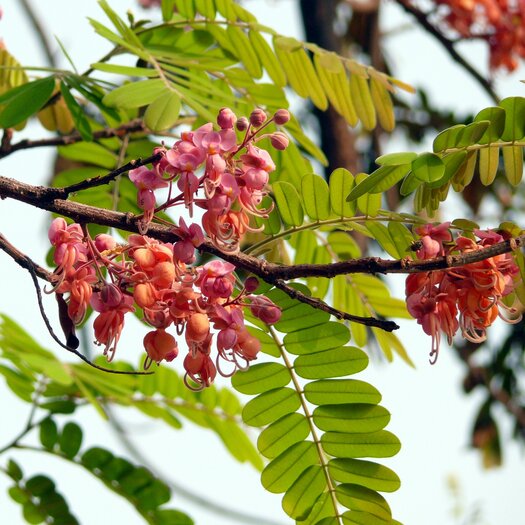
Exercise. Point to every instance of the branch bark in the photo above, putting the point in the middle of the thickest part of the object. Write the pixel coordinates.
(449, 47)
(49, 199)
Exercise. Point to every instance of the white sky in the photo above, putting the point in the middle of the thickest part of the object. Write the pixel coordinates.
(429, 412)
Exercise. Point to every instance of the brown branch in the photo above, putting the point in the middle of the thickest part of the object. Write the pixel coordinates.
(46, 198)
(449, 47)
(136, 125)
(39, 30)
(63, 193)
(275, 274)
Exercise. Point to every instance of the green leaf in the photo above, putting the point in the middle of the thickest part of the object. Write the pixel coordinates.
(70, 439)
(368, 204)
(333, 77)
(81, 122)
(89, 152)
(171, 517)
(48, 433)
(260, 378)
(268, 345)
(380, 180)
(163, 112)
(270, 406)
(316, 197)
(96, 458)
(341, 391)
(303, 494)
(135, 94)
(39, 485)
(32, 514)
(381, 234)
(283, 433)
(472, 133)
(382, 444)
(317, 338)
(353, 418)
(24, 101)
(282, 471)
(288, 202)
(125, 70)
(514, 118)
(341, 184)
(428, 167)
(362, 499)
(336, 362)
(401, 236)
(496, 118)
(365, 473)
(299, 317)
(513, 162)
(447, 138)
(14, 471)
(267, 58)
(396, 159)
(245, 51)
(362, 100)
(488, 164)
(383, 103)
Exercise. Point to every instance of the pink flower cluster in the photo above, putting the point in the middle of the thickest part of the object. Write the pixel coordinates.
(212, 170)
(197, 302)
(467, 297)
(227, 179)
(500, 22)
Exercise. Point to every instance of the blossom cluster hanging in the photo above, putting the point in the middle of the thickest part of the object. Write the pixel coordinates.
(228, 180)
(470, 297)
(500, 22)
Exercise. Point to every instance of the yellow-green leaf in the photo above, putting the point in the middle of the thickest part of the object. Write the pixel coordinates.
(163, 112)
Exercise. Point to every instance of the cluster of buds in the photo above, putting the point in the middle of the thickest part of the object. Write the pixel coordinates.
(499, 22)
(212, 170)
(469, 297)
(198, 303)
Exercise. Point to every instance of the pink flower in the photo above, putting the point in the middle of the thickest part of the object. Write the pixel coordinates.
(216, 280)
(264, 309)
(191, 237)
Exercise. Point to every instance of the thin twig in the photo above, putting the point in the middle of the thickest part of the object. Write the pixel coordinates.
(134, 126)
(449, 47)
(39, 31)
(46, 198)
(389, 326)
(26, 263)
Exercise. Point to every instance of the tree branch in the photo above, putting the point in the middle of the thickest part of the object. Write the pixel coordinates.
(275, 274)
(449, 47)
(136, 125)
(39, 31)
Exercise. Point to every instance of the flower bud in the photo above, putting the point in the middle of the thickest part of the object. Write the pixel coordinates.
(197, 327)
(257, 117)
(226, 118)
(160, 345)
(281, 117)
(144, 295)
(105, 242)
(279, 140)
(242, 124)
(251, 284)
(163, 274)
(144, 257)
